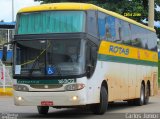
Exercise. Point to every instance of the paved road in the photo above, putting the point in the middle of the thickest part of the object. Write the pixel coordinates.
(119, 110)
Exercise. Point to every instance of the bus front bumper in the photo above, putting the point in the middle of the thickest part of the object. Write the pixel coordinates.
(66, 98)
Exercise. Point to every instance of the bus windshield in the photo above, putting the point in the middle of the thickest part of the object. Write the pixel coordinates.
(51, 22)
(49, 58)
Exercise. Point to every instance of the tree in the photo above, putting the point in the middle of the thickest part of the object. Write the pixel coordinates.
(121, 7)
(158, 32)
(2, 20)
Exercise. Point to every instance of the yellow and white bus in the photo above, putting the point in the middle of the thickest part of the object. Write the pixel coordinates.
(76, 54)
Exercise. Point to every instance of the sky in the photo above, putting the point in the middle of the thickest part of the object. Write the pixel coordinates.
(6, 8)
(158, 22)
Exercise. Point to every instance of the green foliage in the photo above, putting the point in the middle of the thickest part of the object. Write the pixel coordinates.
(157, 13)
(119, 6)
(158, 32)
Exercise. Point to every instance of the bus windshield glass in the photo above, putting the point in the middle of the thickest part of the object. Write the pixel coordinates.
(51, 22)
(49, 58)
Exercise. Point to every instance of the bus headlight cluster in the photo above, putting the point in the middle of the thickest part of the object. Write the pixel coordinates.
(72, 87)
(20, 88)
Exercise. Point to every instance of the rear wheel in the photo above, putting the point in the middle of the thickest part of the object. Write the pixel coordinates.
(101, 107)
(140, 101)
(147, 95)
(43, 109)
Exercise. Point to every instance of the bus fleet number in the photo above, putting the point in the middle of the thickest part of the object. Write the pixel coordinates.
(65, 81)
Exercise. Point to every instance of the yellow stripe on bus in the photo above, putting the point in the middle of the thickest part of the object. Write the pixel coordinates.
(119, 50)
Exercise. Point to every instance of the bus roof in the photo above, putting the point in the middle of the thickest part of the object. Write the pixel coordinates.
(79, 6)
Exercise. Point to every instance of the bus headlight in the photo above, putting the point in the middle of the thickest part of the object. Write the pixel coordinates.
(19, 98)
(20, 88)
(72, 87)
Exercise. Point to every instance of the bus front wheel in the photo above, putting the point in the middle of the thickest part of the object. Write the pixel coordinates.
(43, 109)
(101, 107)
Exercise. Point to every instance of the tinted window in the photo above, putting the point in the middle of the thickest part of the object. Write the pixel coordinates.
(125, 32)
(119, 31)
(101, 25)
(144, 43)
(51, 22)
(143, 38)
(92, 23)
(107, 27)
(152, 41)
(136, 36)
(110, 28)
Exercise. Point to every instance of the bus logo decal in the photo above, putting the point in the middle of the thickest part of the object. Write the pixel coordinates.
(120, 50)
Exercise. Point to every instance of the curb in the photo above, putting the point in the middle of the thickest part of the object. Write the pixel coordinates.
(8, 92)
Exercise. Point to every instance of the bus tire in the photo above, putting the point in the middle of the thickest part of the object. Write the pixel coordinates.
(146, 100)
(101, 107)
(43, 109)
(140, 101)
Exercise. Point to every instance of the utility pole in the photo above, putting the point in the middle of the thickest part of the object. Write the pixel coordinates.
(12, 10)
(151, 14)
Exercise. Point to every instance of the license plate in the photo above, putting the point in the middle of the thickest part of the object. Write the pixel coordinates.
(47, 103)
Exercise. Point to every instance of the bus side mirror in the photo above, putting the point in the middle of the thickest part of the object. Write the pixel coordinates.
(4, 53)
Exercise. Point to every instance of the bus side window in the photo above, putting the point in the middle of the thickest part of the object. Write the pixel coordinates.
(107, 27)
(152, 41)
(125, 33)
(101, 25)
(92, 23)
(136, 39)
(110, 28)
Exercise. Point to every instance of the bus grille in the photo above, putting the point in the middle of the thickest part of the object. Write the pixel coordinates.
(46, 86)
